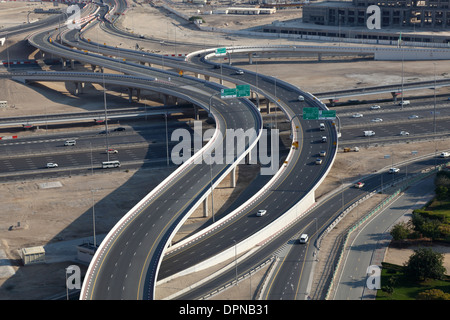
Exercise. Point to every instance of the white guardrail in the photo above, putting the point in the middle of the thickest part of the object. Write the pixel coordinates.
(258, 239)
(115, 231)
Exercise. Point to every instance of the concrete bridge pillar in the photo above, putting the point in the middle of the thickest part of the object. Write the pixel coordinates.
(233, 178)
(196, 115)
(268, 106)
(250, 58)
(130, 94)
(138, 94)
(205, 207)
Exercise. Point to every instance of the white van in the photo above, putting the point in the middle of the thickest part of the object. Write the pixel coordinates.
(322, 126)
(404, 103)
(70, 142)
(369, 133)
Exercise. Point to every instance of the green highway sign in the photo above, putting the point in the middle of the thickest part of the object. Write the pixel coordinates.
(221, 51)
(327, 114)
(310, 113)
(316, 114)
(243, 90)
(228, 93)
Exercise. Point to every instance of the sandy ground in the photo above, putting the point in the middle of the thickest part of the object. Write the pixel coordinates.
(44, 216)
(17, 13)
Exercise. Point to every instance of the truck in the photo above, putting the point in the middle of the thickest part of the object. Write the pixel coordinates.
(369, 133)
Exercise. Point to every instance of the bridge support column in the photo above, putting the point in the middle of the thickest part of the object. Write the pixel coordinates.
(394, 96)
(233, 178)
(250, 58)
(165, 99)
(319, 57)
(138, 94)
(207, 78)
(72, 63)
(268, 106)
(205, 207)
(130, 94)
(64, 63)
(332, 102)
(77, 88)
(196, 115)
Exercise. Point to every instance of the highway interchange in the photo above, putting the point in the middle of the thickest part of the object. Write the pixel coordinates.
(114, 283)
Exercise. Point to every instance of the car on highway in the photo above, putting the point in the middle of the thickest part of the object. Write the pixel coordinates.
(324, 139)
(359, 185)
(112, 151)
(318, 161)
(303, 238)
(120, 129)
(239, 71)
(444, 155)
(357, 115)
(104, 132)
(394, 170)
(322, 153)
(413, 116)
(261, 212)
(377, 120)
(52, 165)
(376, 107)
(404, 103)
(404, 133)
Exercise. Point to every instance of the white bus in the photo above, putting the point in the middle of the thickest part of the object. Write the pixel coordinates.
(110, 164)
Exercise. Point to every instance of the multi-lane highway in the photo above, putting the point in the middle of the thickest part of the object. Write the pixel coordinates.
(128, 254)
(286, 198)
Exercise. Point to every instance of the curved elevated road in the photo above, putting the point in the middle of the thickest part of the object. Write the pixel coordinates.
(144, 264)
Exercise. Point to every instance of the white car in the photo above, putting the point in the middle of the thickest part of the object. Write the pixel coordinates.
(52, 165)
(444, 155)
(375, 107)
(303, 238)
(357, 115)
(318, 161)
(322, 153)
(394, 170)
(414, 116)
(260, 213)
(404, 133)
(112, 151)
(377, 120)
(359, 185)
(239, 71)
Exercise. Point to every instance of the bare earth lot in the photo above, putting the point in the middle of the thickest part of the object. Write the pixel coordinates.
(65, 213)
